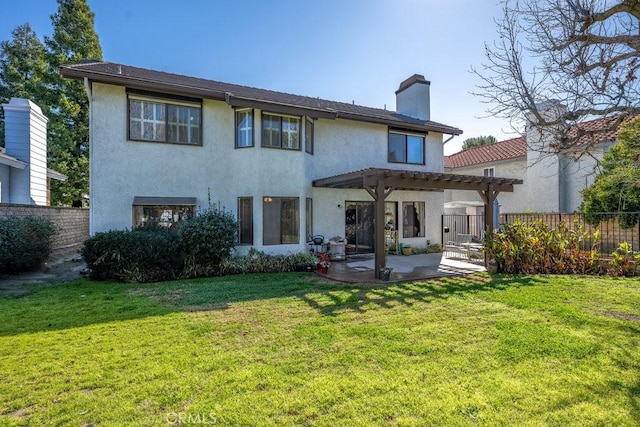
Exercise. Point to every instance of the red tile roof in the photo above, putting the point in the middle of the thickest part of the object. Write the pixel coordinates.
(503, 150)
(587, 133)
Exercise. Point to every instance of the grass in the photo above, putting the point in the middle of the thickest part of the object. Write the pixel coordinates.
(288, 349)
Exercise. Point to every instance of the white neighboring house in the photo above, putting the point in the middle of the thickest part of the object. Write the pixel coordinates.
(24, 177)
(288, 166)
(552, 182)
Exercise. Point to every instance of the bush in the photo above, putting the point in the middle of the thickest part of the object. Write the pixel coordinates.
(535, 248)
(142, 255)
(259, 262)
(25, 243)
(207, 239)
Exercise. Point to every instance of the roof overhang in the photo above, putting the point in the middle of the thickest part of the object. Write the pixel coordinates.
(416, 181)
(12, 162)
(53, 174)
(194, 87)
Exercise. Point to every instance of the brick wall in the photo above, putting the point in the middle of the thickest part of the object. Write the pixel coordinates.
(71, 224)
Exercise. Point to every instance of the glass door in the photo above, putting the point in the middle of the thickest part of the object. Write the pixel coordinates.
(359, 227)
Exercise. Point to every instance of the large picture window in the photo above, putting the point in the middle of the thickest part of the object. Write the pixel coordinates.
(413, 219)
(164, 211)
(245, 220)
(280, 132)
(244, 128)
(158, 120)
(406, 148)
(281, 220)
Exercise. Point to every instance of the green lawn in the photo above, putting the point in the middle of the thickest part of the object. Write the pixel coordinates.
(288, 349)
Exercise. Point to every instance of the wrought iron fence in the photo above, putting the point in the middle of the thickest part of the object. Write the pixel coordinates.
(614, 228)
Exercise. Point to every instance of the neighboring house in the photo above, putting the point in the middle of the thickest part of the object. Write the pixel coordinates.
(24, 177)
(552, 181)
(288, 166)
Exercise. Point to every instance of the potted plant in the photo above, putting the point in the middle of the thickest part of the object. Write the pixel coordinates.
(323, 263)
(407, 250)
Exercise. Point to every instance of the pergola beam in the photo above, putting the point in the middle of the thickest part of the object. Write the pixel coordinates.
(379, 183)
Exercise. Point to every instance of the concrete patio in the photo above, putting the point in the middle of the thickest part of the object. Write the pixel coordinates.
(360, 269)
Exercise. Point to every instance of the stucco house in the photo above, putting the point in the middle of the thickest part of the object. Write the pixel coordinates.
(553, 181)
(24, 176)
(288, 166)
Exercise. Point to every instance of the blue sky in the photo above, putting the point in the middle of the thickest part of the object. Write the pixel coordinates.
(349, 50)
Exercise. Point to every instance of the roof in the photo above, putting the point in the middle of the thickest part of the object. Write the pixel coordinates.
(503, 150)
(416, 180)
(11, 161)
(583, 134)
(244, 96)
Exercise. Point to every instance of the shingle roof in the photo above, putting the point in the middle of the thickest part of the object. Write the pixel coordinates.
(503, 150)
(582, 134)
(238, 95)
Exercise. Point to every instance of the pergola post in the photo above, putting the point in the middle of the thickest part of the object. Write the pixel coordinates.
(379, 194)
(488, 197)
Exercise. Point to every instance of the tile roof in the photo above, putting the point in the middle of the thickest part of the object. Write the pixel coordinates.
(583, 134)
(503, 150)
(237, 95)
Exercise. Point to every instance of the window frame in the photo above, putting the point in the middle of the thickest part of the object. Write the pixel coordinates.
(308, 124)
(406, 136)
(420, 217)
(281, 130)
(308, 220)
(166, 101)
(251, 113)
(269, 222)
(489, 172)
(242, 221)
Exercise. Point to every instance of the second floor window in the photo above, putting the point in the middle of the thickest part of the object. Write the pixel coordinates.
(489, 172)
(406, 148)
(280, 132)
(158, 120)
(244, 128)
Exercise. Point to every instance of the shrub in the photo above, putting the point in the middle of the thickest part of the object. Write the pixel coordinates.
(141, 255)
(207, 239)
(259, 262)
(530, 248)
(25, 243)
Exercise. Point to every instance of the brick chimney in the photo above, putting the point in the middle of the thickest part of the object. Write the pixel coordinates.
(413, 98)
(26, 140)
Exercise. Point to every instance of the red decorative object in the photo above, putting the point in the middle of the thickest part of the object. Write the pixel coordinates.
(323, 263)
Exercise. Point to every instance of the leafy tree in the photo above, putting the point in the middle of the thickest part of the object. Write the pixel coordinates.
(617, 186)
(23, 68)
(74, 40)
(583, 53)
(477, 141)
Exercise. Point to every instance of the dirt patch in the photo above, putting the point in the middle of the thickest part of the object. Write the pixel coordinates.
(70, 267)
(622, 315)
(23, 411)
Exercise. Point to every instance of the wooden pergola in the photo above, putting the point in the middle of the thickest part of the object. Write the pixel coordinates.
(380, 183)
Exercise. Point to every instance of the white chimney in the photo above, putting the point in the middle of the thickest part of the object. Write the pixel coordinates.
(26, 140)
(413, 98)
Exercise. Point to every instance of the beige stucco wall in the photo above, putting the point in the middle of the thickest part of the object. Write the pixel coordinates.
(122, 170)
(509, 202)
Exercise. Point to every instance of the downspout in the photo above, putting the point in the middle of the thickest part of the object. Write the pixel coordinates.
(448, 139)
(87, 87)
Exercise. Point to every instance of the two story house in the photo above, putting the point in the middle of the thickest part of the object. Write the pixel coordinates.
(288, 166)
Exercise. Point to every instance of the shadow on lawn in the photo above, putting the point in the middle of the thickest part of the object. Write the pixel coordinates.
(83, 302)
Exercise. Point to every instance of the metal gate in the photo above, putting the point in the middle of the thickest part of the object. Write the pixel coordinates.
(453, 225)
